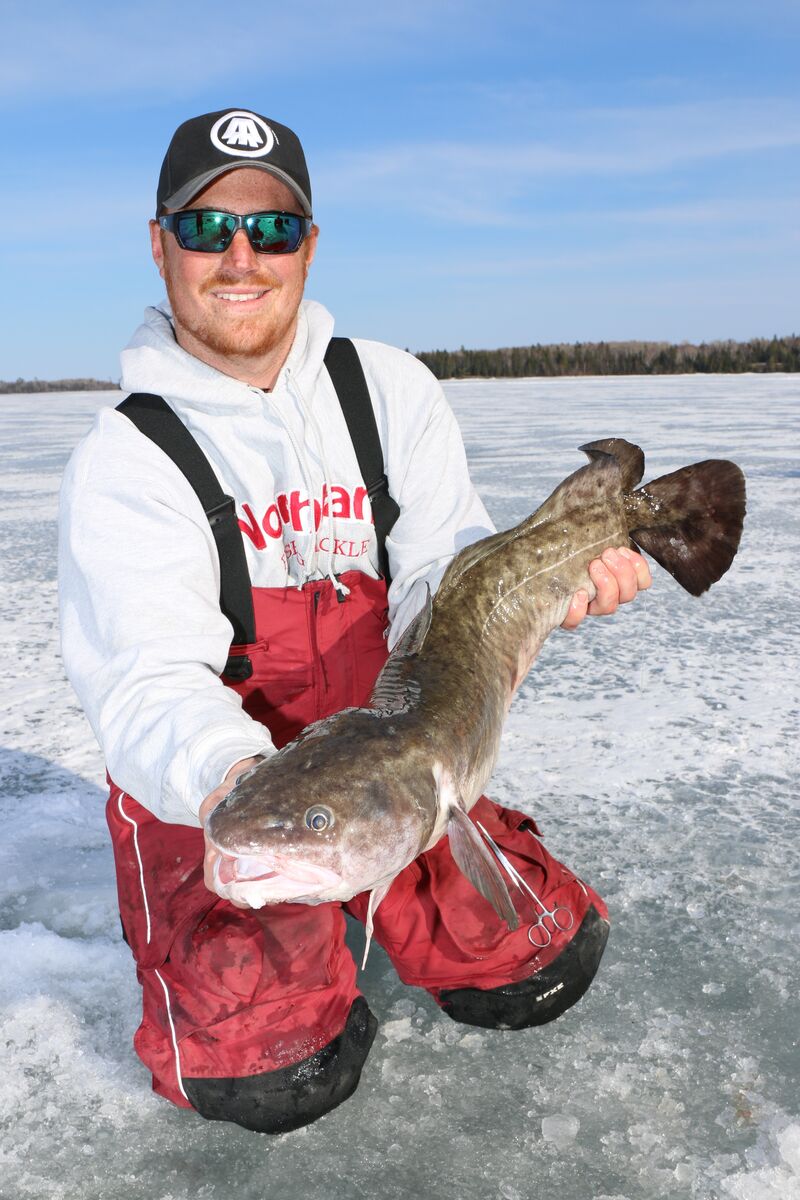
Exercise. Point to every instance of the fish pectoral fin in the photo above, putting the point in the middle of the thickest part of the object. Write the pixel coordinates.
(474, 860)
(375, 897)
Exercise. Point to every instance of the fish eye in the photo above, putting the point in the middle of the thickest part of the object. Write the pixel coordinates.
(319, 818)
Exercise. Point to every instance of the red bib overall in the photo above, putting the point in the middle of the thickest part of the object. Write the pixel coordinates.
(232, 993)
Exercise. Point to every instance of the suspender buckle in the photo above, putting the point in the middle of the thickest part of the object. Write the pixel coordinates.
(381, 484)
(238, 668)
(220, 512)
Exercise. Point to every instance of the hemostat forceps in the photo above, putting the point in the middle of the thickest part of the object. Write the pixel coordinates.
(561, 918)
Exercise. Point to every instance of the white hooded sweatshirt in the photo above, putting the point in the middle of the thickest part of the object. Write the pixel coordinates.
(143, 637)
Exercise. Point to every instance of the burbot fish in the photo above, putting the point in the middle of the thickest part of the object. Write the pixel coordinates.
(359, 795)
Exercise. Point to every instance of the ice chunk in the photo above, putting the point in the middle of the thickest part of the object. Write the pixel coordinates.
(772, 1180)
(789, 1147)
(397, 1031)
(509, 1192)
(560, 1128)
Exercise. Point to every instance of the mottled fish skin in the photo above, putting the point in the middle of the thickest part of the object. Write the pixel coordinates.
(390, 775)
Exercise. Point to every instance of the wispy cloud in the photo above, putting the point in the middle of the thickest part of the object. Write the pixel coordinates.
(92, 47)
(645, 253)
(481, 182)
(597, 142)
(776, 213)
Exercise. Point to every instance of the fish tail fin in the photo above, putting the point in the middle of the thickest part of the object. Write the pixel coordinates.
(690, 521)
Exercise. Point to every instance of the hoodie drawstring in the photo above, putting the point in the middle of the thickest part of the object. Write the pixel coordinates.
(308, 412)
(309, 549)
(313, 425)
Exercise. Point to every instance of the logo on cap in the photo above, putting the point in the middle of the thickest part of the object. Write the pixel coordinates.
(242, 134)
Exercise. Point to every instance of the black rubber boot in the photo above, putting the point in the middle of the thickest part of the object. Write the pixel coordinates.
(542, 997)
(286, 1099)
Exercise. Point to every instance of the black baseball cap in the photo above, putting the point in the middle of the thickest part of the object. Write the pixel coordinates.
(205, 147)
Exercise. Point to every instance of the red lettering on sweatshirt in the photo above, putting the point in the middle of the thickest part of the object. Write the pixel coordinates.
(341, 503)
(287, 514)
(358, 505)
(296, 506)
(341, 546)
(273, 525)
(250, 527)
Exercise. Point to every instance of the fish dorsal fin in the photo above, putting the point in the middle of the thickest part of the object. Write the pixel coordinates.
(584, 487)
(629, 457)
(375, 897)
(474, 860)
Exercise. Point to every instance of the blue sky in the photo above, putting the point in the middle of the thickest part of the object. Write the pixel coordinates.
(484, 174)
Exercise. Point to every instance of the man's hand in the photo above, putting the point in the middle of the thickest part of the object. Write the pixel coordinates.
(618, 575)
(209, 804)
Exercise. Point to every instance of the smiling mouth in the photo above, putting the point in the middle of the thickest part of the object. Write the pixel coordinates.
(240, 297)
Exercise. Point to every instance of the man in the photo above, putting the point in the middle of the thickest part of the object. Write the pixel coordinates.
(254, 1016)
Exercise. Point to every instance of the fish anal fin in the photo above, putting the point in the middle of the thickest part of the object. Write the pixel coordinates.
(629, 457)
(475, 861)
(691, 521)
(395, 689)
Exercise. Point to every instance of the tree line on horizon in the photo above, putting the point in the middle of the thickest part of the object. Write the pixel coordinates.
(563, 358)
(617, 358)
(57, 385)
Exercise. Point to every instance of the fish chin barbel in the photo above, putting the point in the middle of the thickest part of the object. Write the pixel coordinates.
(359, 795)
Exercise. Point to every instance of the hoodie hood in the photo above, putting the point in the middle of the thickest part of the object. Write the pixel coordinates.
(154, 362)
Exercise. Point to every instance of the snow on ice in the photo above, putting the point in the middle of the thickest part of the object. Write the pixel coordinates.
(658, 751)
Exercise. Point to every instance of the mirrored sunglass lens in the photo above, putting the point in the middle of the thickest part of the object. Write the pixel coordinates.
(274, 233)
(206, 230)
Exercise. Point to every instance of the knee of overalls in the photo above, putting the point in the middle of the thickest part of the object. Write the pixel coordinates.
(442, 935)
(543, 996)
(564, 921)
(281, 1100)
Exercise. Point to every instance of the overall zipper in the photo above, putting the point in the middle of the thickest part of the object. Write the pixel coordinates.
(320, 682)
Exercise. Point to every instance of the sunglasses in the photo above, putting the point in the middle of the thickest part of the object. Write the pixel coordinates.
(211, 231)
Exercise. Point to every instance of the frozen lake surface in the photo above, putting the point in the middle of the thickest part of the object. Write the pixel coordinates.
(657, 750)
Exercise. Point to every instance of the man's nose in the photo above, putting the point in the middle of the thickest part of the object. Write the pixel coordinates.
(240, 254)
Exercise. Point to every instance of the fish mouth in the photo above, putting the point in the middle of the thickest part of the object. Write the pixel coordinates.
(271, 878)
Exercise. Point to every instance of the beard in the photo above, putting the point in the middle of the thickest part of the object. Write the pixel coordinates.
(225, 334)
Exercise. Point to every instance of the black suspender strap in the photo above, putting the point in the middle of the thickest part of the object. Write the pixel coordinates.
(347, 375)
(153, 417)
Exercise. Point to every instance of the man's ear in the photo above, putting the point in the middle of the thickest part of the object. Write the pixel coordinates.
(156, 246)
(311, 247)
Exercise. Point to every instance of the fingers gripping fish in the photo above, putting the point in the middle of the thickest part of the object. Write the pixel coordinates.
(359, 795)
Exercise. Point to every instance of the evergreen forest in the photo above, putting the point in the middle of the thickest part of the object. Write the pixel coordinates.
(617, 358)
